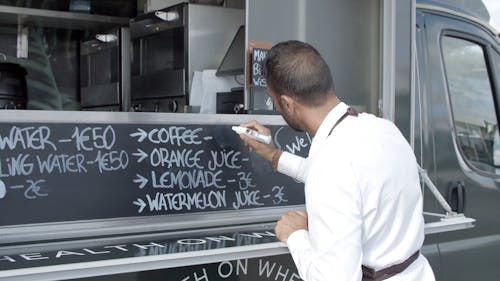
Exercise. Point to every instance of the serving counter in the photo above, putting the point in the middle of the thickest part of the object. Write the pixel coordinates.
(141, 196)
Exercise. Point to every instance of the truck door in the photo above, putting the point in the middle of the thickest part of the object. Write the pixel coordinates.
(461, 93)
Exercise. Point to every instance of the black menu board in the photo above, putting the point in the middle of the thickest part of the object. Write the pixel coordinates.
(53, 172)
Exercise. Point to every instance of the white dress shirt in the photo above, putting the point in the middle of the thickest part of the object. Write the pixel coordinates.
(363, 200)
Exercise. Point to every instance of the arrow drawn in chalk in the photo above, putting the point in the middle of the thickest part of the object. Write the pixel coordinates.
(142, 181)
(141, 154)
(140, 133)
(139, 202)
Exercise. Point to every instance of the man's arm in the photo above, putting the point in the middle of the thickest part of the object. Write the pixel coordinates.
(286, 163)
(289, 223)
(293, 166)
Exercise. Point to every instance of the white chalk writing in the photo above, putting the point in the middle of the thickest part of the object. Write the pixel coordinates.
(187, 179)
(142, 181)
(298, 144)
(177, 158)
(245, 180)
(185, 201)
(221, 159)
(279, 195)
(35, 138)
(34, 189)
(112, 161)
(61, 163)
(94, 138)
(173, 168)
(173, 135)
(19, 165)
(247, 198)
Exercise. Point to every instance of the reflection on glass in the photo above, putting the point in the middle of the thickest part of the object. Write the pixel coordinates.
(51, 66)
(472, 102)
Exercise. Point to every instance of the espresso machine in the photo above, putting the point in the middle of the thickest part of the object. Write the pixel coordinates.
(168, 45)
(105, 71)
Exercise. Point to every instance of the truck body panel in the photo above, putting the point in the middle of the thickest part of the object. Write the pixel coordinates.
(458, 86)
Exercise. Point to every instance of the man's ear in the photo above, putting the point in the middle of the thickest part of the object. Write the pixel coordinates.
(287, 103)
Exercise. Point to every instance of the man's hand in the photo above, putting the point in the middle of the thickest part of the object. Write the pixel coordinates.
(265, 150)
(289, 223)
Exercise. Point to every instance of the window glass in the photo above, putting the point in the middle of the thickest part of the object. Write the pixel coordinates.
(46, 76)
(472, 103)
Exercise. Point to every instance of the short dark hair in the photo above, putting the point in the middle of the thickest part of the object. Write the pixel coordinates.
(297, 69)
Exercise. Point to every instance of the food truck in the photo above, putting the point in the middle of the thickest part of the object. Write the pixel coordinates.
(118, 161)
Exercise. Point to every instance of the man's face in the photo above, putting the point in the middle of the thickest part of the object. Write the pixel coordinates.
(290, 119)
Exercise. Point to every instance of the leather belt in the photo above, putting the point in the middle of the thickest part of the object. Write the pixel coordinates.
(371, 275)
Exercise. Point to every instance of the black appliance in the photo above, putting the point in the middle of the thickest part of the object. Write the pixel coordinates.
(230, 102)
(13, 90)
(105, 71)
(169, 45)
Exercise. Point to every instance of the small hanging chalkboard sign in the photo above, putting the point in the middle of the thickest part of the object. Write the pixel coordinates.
(258, 58)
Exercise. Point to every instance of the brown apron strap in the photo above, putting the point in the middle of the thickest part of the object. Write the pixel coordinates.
(350, 111)
(368, 273)
(371, 275)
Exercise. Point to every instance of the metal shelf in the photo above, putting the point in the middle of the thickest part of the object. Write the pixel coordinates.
(58, 19)
(448, 223)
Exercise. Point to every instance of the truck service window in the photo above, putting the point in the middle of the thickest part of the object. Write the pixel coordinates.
(471, 96)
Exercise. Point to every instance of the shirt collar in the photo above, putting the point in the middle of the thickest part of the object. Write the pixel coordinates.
(331, 118)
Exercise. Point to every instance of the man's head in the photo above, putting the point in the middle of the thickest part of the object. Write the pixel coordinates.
(296, 72)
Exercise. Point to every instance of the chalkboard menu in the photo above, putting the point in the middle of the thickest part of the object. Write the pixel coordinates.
(52, 172)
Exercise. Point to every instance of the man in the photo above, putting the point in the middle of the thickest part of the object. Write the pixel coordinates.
(363, 198)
